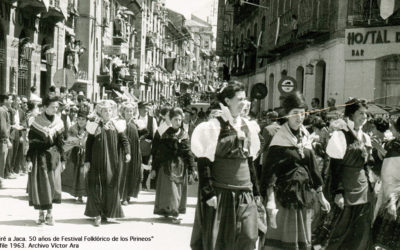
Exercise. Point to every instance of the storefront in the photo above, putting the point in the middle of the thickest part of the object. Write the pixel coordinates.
(373, 64)
(317, 69)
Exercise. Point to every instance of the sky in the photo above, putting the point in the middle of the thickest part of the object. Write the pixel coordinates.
(199, 8)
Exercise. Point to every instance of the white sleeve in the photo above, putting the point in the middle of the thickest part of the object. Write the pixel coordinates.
(205, 139)
(337, 145)
(155, 126)
(255, 144)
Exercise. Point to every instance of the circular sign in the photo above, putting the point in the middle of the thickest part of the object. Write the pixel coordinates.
(287, 85)
(64, 77)
(259, 91)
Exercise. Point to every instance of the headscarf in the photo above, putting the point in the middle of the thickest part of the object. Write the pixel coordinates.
(127, 105)
(107, 104)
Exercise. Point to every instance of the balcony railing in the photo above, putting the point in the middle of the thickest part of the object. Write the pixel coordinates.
(244, 11)
(120, 31)
(366, 13)
(54, 3)
(313, 20)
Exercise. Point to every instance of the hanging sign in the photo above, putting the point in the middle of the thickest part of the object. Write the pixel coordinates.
(287, 85)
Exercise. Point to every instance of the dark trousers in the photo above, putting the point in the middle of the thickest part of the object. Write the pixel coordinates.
(3, 158)
(146, 173)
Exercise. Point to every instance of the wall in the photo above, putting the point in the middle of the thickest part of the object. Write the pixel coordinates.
(331, 53)
(360, 79)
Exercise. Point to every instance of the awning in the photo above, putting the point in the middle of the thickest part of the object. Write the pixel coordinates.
(185, 82)
(34, 6)
(57, 12)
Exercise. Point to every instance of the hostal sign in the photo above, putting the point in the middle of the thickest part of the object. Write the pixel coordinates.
(371, 43)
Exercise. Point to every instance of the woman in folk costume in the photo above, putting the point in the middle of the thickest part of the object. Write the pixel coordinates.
(173, 162)
(74, 176)
(350, 152)
(289, 179)
(386, 229)
(131, 173)
(107, 148)
(45, 159)
(226, 213)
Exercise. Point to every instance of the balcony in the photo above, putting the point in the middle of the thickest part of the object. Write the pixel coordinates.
(72, 8)
(34, 7)
(120, 34)
(365, 13)
(57, 12)
(157, 9)
(312, 21)
(150, 40)
(244, 11)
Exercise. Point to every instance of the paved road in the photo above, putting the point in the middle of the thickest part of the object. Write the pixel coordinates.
(17, 219)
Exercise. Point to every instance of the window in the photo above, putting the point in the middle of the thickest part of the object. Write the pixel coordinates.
(262, 30)
(255, 31)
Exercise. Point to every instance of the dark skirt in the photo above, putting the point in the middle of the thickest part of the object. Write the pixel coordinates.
(351, 229)
(170, 195)
(44, 181)
(131, 178)
(102, 199)
(293, 229)
(104, 176)
(233, 225)
(386, 230)
(74, 175)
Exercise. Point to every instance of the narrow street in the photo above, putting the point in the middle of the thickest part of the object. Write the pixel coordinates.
(17, 219)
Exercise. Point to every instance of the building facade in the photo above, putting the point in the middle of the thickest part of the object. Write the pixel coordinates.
(333, 49)
(32, 43)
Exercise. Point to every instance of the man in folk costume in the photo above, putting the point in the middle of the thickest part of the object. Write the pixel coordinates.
(147, 127)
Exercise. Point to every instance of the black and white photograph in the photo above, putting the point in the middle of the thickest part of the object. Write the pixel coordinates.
(200, 124)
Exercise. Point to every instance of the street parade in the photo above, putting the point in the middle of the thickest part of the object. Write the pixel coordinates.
(267, 124)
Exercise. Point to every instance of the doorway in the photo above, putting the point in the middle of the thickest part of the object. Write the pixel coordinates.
(43, 84)
(300, 78)
(271, 91)
(320, 80)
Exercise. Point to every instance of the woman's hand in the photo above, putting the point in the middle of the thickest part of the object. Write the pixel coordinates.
(153, 174)
(195, 175)
(62, 166)
(87, 165)
(127, 158)
(325, 206)
(212, 202)
(339, 200)
(392, 210)
(29, 166)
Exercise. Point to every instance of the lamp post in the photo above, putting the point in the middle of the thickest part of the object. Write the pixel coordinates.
(309, 69)
(28, 49)
(50, 53)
